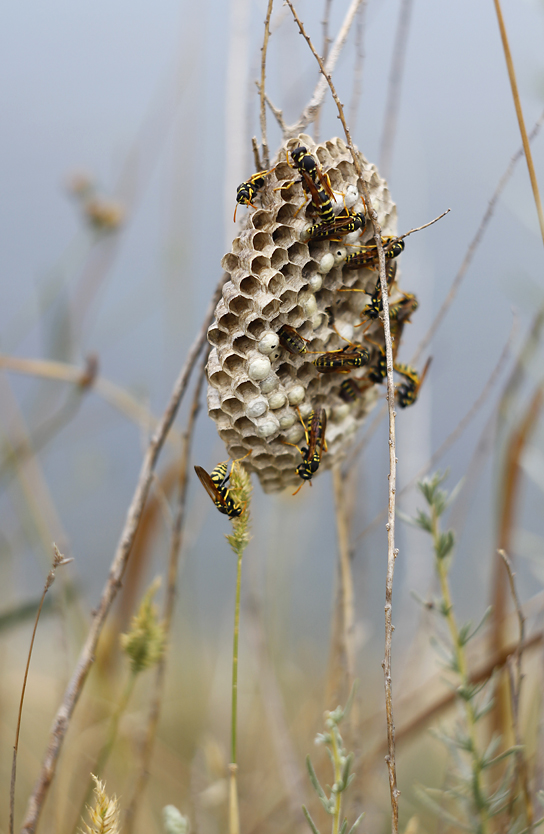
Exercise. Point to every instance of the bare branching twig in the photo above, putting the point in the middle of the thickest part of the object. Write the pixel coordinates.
(86, 658)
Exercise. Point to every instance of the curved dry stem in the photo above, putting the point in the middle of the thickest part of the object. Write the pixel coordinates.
(171, 591)
(86, 658)
(473, 246)
(394, 89)
(519, 114)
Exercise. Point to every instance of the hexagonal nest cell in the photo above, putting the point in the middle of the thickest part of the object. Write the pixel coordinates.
(257, 389)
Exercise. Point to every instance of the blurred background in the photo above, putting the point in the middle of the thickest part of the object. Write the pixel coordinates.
(125, 130)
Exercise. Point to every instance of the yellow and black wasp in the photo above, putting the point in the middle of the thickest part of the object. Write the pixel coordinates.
(342, 361)
(246, 191)
(314, 182)
(378, 369)
(335, 230)
(314, 432)
(367, 256)
(408, 391)
(214, 483)
(373, 309)
(291, 340)
(350, 391)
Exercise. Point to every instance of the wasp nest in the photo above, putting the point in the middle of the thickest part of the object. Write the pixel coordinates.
(256, 387)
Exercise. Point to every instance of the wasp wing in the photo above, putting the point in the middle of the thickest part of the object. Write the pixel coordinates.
(209, 485)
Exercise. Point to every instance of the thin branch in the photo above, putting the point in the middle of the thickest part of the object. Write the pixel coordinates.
(312, 108)
(394, 89)
(473, 246)
(278, 114)
(358, 68)
(264, 141)
(519, 113)
(169, 602)
(58, 561)
(86, 658)
(456, 433)
(256, 155)
(113, 394)
(325, 52)
(346, 591)
(392, 552)
(425, 225)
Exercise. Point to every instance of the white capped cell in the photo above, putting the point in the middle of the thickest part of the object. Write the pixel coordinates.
(268, 426)
(259, 368)
(269, 343)
(277, 400)
(295, 434)
(296, 395)
(269, 384)
(316, 282)
(287, 420)
(340, 412)
(257, 407)
(310, 307)
(326, 263)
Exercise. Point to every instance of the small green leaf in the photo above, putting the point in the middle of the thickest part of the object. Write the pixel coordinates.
(311, 823)
(356, 823)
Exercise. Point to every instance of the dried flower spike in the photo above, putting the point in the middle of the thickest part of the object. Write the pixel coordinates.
(144, 643)
(104, 815)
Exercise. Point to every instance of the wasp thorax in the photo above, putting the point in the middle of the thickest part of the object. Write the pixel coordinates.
(281, 309)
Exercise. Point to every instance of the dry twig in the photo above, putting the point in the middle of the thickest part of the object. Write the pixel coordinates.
(58, 561)
(394, 88)
(473, 246)
(519, 114)
(264, 140)
(312, 108)
(75, 686)
(171, 589)
(392, 552)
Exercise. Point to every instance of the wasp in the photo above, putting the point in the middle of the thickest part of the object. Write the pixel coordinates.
(408, 391)
(349, 391)
(378, 369)
(341, 225)
(214, 483)
(291, 340)
(373, 309)
(314, 182)
(314, 432)
(368, 255)
(246, 191)
(342, 361)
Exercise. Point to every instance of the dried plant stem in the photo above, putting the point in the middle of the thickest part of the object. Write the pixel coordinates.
(234, 821)
(392, 552)
(325, 51)
(519, 113)
(86, 658)
(461, 662)
(358, 69)
(394, 88)
(264, 141)
(346, 591)
(58, 561)
(171, 590)
(515, 694)
(473, 246)
(113, 394)
(509, 491)
(312, 108)
(425, 225)
(413, 726)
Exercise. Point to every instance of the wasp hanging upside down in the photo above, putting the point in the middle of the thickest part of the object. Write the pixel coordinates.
(215, 485)
(291, 340)
(335, 230)
(246, 191)
(407, 392)
(314, 433)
